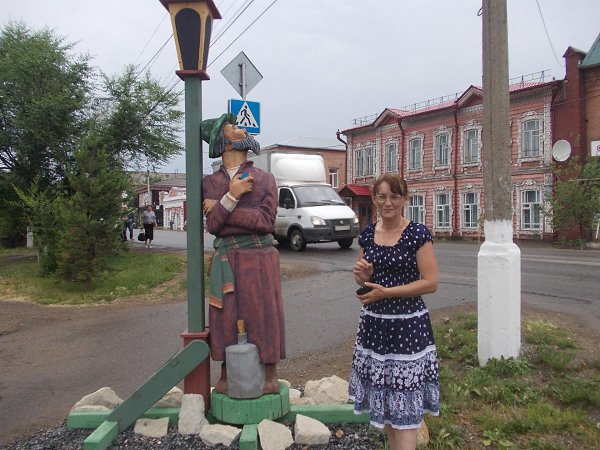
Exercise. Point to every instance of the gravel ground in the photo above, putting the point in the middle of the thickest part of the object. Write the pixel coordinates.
(355, 437)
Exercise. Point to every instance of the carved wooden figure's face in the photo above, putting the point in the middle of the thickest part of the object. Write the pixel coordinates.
(232, 133)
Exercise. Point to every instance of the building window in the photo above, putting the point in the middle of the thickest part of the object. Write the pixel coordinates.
(415, 208)
(530, 138)
(442, 145)
(360, 163)
(470, 209)
(333, 178)
(471, 150)
(530, 210)
(369, 161)
(415, 152)
(442, 211)
(391, 158)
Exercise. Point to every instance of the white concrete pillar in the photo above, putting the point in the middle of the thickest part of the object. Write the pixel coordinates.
(498, 293)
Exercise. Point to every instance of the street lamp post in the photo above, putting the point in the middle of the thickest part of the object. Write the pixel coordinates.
(192, 26)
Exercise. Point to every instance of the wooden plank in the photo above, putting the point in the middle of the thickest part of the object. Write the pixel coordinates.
(171, 373)
(93, 419)
(102, 437)
(249, 438)
(326, 413)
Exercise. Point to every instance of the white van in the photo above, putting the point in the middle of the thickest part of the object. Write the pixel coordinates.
(309, 210)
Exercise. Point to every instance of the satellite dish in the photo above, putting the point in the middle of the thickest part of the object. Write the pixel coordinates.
(561, 150)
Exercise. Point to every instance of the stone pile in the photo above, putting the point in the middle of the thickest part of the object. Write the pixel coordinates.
(272, 435)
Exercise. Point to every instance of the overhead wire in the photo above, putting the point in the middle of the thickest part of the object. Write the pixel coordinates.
(237, 15)
(245, 29)
(151, 36)
(548, 34)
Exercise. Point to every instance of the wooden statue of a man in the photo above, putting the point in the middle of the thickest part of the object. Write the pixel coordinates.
(240, 202)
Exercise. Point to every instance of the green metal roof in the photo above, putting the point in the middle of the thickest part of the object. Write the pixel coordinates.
(593, 56)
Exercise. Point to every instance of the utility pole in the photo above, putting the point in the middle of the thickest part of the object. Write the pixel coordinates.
(499, 259)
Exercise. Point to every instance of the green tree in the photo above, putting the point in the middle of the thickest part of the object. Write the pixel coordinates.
(40, 207)
(90, 213)
(49, 103)
(139, 119)
(43, 93)
(576, 201)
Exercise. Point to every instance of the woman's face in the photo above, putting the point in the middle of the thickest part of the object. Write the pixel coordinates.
(389, 204)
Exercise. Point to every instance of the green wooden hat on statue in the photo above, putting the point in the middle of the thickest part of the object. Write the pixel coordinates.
(210, 129)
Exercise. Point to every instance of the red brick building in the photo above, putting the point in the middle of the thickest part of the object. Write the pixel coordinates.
(437, 147)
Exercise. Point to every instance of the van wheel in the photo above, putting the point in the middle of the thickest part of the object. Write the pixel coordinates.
(297, 241)
(345, 243)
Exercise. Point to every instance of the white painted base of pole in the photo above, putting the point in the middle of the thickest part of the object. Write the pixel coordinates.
(29, 238)
(498, 293)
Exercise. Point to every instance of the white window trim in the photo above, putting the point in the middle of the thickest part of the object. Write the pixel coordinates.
(463, 130)
(440, 131)
(463, 227)
(529, 185)
(443, 191)
(531, 115)
(411, 138)
(385, 156)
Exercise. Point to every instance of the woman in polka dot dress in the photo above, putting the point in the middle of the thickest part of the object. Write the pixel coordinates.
(395, 375)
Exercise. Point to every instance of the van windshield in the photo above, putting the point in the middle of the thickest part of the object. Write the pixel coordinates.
(316, 195)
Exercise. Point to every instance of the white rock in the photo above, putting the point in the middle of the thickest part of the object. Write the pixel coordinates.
(310, 431)
(213, 435)
(327, 391)
(302, 401)
(274, 436)
(191, 414)
(152, 427)
(102, 397)
(92, 408)
(295, 393)
(171, 399)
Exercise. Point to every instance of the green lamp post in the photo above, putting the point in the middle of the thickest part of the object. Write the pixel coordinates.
(192, 26)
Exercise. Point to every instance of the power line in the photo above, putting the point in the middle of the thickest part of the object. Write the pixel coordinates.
(245, 29)
(233, 21)
(150, 38)
(151, 60)
(547, 34)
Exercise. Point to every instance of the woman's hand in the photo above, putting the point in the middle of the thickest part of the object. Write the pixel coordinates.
(239, 187)
(376, 293)
(362, 270)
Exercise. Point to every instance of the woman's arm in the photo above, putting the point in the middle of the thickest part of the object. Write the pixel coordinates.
(427, 284)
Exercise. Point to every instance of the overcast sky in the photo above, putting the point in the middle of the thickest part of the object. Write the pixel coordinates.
(324, 62)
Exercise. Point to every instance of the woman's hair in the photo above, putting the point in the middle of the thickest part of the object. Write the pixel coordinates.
(395, 182)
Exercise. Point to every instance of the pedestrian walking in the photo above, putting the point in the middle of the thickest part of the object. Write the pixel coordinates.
(395, 375)
(149, 221)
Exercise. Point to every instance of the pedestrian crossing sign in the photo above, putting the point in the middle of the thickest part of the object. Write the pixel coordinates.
(247, 114)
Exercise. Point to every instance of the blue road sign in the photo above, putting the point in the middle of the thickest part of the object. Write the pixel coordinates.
(247, 113)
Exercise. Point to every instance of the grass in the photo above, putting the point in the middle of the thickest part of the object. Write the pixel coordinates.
(129, 274)
(548, 398)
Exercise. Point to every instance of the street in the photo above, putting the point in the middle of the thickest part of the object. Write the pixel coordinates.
(561, 280)
(64, 353)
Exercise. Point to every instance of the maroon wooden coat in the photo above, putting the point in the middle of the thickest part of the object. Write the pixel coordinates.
(257, 297)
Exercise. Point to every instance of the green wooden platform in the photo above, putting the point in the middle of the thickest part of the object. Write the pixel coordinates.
(250, 411)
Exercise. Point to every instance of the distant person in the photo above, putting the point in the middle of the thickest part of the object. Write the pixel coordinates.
(171, 223)
(149, 221)
(395, 374)
(130, 223)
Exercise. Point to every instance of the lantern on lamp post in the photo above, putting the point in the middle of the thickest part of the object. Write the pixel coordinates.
(192, 26)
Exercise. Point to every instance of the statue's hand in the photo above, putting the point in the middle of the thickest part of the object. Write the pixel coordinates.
(207, 205)
(239, 187)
